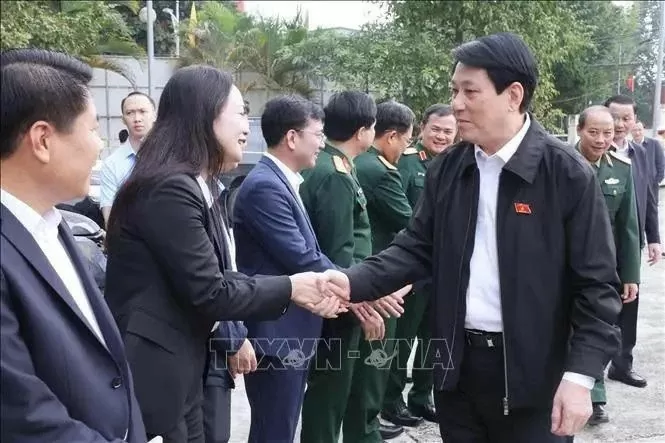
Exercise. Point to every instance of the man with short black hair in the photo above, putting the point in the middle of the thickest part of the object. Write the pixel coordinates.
(389, 212)
(274, 236)
(337, 208)
(513, 229)
(623, 110)
(138, 114)
(63, 369)
(438, 129)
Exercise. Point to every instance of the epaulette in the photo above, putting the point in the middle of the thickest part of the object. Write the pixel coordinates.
(619, 157)
(386, 163)
(339, 165)
(410, 151)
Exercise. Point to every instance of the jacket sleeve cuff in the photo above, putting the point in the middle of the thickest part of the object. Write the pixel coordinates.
(579, 379)
(361, 287)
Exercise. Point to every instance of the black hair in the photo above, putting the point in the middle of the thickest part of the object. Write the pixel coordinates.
(347, 112)
(133, 93)
(39, 85)
(439, 110)
(621, 100)
(182, 139)
(284, 113)
(393, 116)
(506, 58)
(123, 135)
(581, 122)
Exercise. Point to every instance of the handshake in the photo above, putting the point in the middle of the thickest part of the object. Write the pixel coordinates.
(328, 294)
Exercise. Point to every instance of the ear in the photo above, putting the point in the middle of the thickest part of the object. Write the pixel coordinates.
(515, 95)
(40, 137)
(290, 139)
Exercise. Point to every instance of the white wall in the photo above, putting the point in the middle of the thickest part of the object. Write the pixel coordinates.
(108, 90)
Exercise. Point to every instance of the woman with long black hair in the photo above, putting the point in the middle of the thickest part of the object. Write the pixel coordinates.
(169, 253)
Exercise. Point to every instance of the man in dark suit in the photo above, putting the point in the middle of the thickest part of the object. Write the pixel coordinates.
(623, 111)
(655, 153)
(274, 237)
(64, 373)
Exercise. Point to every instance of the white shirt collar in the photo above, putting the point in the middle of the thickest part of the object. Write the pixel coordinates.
(29, 218)
(206, 191)
(508, 150)
(294, 178)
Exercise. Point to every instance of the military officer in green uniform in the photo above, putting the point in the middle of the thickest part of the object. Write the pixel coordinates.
(438, 129)
(389, 212)
(337, 208)
(596, 130)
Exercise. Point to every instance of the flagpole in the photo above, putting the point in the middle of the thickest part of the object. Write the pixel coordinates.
(659, 72)
(151, 44)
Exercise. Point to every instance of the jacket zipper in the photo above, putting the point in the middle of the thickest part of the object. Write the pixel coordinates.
(506, 403)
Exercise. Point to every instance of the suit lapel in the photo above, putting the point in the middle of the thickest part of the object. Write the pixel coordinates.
(275, 169)
(23, 241)
(99, 308)
(217, 238)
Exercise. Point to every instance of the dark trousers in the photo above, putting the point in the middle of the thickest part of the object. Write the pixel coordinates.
(623, 361)
(275, 393)
(217, 413)
(473, 412)
(189, 428)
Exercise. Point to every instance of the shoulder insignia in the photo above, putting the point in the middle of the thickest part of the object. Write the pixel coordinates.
(410, 151)
(386, 163)
(619, 157)
(339, 165)
(423, 155)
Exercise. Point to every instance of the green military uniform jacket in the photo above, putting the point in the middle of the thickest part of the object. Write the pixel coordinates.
(412, 167)
(337, 208)
(616, 181)
(387, 205)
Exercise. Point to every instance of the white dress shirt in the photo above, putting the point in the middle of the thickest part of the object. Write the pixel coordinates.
(228, 232)
(44, 229)
(483, 296)
(295, 179)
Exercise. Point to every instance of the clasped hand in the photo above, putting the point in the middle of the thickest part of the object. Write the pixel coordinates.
(326, 294)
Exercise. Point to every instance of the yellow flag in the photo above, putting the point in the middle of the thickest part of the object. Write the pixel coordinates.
(192, 26)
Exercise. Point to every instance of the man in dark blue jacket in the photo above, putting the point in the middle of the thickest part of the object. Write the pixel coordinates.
(274, 237)
(63, 367)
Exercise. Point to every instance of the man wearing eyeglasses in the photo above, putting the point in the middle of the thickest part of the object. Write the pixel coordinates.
(274, 236)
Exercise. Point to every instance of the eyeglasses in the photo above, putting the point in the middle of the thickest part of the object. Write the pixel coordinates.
(320, 135)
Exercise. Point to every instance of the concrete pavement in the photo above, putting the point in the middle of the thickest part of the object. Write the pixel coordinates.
(636, 415)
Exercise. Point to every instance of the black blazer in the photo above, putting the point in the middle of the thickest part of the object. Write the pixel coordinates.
(59, 382)
(165, 289)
